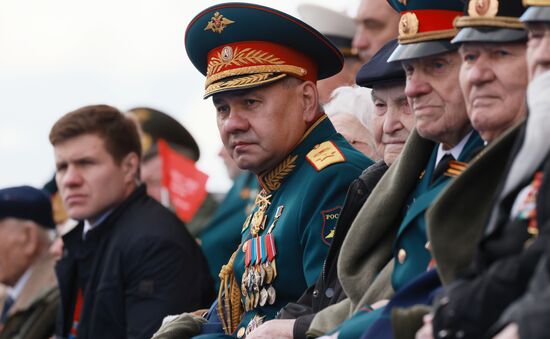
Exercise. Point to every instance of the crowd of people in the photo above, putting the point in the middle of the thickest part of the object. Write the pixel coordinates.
(389, 176)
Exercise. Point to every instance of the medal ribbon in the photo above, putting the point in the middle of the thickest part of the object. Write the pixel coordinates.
(258, 242)
(248, 253)
(263, 249)
(271, 250)
(253, 248)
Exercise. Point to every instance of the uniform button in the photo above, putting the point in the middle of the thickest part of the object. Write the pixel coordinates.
(401, 256)
(315, 293)
(240, 333)
(329, 293)
(428, 246)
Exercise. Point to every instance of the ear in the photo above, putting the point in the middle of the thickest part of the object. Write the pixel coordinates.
(130, 166)
(310, 101)
(29, 238)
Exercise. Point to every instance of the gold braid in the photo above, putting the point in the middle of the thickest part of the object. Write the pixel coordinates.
(229, 297)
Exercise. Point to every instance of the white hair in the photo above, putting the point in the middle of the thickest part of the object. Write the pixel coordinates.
(353, 100)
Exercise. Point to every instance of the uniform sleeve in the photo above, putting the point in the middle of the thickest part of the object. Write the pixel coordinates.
(470, 307)
(532, 310)
(159, 274)
(321, 207)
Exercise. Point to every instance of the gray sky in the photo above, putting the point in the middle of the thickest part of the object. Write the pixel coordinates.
(58, 55)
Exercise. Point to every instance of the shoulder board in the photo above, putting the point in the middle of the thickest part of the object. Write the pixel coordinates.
(325, 154)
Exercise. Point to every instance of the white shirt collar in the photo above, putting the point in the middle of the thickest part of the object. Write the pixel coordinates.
(89, 226)
(15, 291)
(455, 151)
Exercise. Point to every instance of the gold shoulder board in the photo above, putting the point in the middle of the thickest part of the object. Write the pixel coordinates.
(324, 155)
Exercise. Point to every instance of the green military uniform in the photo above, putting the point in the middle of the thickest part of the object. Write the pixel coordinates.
(411, 253)
(222, 235)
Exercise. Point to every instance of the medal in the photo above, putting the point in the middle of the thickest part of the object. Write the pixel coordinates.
(246, 223)
(263, 297)
(271, 295)
(278, 214)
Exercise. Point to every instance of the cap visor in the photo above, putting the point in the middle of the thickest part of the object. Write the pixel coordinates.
(421, 50)
(536, 13)
(487, 34)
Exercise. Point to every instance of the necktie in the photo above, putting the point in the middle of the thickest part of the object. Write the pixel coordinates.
(7, 305)
(442, 167)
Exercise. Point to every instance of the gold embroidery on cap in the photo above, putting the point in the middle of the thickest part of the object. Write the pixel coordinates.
(408, 24)
(484, 8)
(218, 23)
(247, 56)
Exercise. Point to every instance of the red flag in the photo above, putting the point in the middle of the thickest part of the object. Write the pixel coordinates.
(186, 184)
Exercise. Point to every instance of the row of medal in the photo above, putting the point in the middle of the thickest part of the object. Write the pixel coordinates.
(260, 272)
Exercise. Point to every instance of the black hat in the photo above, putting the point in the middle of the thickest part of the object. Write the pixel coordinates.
(378, 72)
(491, 21)
(158, 125)
(425, 28)
(538, 11)
(242, 45)
(338, 27)
(27, 203)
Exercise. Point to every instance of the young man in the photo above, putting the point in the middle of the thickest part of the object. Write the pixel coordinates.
(130, 261)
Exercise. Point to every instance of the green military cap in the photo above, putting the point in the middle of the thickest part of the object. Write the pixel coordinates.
(338, 27)
(425, 27)
(538, 11)
(243, 45)
(158, 125)
(491, 21)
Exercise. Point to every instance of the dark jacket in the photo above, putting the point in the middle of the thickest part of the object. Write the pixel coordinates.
(327, 290)
(139, 265)
(505, 261)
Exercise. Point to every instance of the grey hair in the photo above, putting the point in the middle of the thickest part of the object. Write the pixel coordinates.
(353, 100)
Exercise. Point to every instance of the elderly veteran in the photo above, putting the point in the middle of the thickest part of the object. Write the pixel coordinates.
(261, 66)
(515, 234)
(495, 70)
(436, 151)
(26, 268)
(392, 121)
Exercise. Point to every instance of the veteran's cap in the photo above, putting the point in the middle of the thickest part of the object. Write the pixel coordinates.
(338, 27)
(158, 125)
(378, 71)
(538, 11)
(26, 203)
(425, 28)
(491, 21)
(243, 45)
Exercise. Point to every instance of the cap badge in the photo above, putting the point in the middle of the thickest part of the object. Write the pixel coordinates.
(483, 8)
(408, 24)
(403, 2)
(218, 23)
(227, 53)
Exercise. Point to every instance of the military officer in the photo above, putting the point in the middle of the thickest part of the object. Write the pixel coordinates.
(155, 125)
(261, 66)
(441, 146)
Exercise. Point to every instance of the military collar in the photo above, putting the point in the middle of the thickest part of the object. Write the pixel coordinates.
(320, 131)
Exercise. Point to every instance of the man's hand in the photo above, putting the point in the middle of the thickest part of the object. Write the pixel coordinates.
(278, 328)
(426, 331)
(509, 332)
